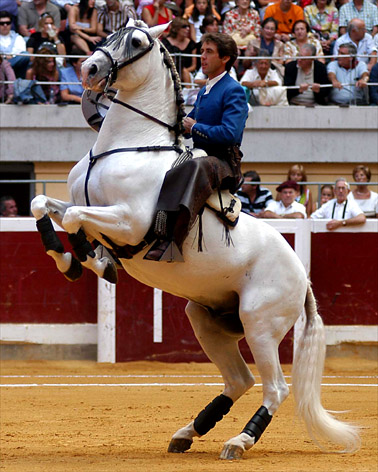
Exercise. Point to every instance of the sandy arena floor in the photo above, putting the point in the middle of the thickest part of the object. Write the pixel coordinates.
(83, 416)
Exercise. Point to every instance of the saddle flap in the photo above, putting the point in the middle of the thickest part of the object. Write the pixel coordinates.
(228, 205)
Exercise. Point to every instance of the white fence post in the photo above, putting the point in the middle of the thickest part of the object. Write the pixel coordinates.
(106, 321)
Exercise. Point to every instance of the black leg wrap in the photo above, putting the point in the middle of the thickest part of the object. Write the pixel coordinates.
(49, 237)
(257, 425)
(81, 245)
(213, 413)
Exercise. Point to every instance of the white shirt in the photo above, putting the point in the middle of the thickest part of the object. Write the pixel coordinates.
(367, 205)
(280, 209)
(6, 41)
(211, 82)
(335, 211)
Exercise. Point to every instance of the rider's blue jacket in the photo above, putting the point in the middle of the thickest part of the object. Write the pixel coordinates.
(220, 114)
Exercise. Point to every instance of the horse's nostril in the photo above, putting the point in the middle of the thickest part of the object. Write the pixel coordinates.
(93, 69)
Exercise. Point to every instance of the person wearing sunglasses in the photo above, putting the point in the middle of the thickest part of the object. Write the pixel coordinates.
(12, 43)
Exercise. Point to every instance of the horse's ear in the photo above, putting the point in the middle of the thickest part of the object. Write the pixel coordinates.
(156, 31)
(130, 22)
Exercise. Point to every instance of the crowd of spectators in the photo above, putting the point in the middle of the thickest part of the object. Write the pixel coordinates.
(293, 198)
(282, 33)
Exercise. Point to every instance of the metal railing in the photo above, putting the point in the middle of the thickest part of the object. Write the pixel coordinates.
(318, 185)
(192, 84)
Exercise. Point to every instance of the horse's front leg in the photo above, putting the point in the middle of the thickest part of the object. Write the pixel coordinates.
(97, 222)
(44, 209)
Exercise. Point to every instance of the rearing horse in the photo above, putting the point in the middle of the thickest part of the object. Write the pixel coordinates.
(254, 288)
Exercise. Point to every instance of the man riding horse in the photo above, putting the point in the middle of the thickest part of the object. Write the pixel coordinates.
(216, 125)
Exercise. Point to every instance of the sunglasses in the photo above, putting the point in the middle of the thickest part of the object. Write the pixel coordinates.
(185, 26)
(7, 23)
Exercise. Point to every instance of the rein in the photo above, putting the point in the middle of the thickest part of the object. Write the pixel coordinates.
(93, 159)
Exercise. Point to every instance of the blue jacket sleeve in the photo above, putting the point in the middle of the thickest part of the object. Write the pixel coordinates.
(230, 129)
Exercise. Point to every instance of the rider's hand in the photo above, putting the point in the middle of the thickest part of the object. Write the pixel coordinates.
(188, 124)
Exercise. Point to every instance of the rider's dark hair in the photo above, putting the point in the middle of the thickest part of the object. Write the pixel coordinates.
(225, 44)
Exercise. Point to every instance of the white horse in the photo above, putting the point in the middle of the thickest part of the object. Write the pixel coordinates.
(254, 288)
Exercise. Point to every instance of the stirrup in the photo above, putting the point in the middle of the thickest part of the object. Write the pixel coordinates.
(172, 254)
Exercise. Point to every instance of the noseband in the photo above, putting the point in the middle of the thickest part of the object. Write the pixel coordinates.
(115, 67)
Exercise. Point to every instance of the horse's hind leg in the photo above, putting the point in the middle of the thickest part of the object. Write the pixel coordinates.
(43, 208)
(222, 349)
(263, 342)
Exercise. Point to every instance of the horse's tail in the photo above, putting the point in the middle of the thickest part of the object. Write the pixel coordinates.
(306, 379)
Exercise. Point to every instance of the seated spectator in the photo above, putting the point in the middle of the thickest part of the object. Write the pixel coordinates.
(326, 194)
(155, 14)
(265, 83)
(242, 24)
(323, 19)
(72, 93)
(30, 13)
(356, 34)
(6, 74)
(179, 41)
(268, 43)
(340, 210)
(209, 25)
(366, 199)
(82, 22)
(373, 89)
(196, 13)
(360, 9)
(254, 198)
(12, 43)
(287, 207)
(343, 73)
(47, 33)
(8, 207)
(113, 16)
(297, 173)
(302, 36)
(308, 74)
(286, 14)
(44, 69)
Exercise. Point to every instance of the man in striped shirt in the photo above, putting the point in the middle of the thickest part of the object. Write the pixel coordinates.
(112, 16)
(361, 9)
(254, 198)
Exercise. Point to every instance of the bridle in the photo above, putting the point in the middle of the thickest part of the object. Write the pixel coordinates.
(111, 77)
(115, 67)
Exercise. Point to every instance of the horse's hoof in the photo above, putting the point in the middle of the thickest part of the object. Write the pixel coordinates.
(179, 445)
(75, 271)
(231, 452)
(110, 273)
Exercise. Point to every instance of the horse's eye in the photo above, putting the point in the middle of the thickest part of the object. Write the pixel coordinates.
(136, 42)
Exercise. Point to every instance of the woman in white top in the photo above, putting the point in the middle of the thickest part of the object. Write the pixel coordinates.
(82, 20)
(366, 199)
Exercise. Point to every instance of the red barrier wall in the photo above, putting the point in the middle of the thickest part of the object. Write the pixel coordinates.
(344, 272)
(34, 291)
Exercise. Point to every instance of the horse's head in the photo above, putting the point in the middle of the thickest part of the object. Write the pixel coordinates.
(129, 45)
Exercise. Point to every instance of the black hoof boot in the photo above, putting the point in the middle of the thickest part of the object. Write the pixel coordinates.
(75, 271)
(110, 273)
